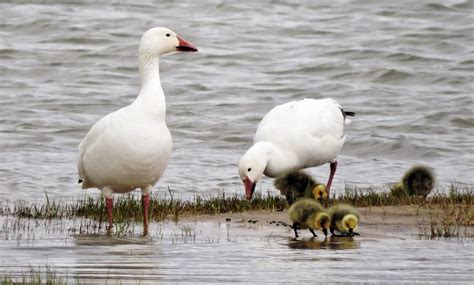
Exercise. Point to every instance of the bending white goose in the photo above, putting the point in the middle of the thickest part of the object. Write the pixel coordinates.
(294, 136)
(130, 148)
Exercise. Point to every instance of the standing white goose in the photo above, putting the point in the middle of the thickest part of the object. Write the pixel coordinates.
(293, 136)
(130, 148)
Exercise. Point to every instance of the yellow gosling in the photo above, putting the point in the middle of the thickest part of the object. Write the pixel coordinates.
(320, 193)
(294, 185)
(419, 181)
(398, 190)
(344, 219)
(309, 214)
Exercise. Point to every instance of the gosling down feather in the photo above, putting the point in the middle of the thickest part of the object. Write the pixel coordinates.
(344, 219)
(419, 180)
(298, 184)
(309, 214)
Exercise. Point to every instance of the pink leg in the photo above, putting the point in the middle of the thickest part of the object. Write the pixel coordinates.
(109, 205)
(333, 166)
(145, 205)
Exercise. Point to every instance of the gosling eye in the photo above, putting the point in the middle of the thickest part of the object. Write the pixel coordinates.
(250, 169)
(168, 35)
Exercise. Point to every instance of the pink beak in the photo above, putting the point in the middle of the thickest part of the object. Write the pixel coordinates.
(249, 188)
(185, 46)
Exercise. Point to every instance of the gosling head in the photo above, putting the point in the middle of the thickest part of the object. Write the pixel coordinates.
(322, 221)
(350, 223)
(320, 193)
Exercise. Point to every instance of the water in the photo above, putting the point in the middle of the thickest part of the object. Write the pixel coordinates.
(219, 251)
(406, 69)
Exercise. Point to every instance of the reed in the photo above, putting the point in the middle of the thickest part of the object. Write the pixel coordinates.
(129, 208)
(34, 276)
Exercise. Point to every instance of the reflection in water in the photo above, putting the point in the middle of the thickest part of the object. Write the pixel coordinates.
(328, 243)
(105, 239)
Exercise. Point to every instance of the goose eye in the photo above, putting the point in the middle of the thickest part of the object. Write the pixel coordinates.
(168, 35)
(250, 169)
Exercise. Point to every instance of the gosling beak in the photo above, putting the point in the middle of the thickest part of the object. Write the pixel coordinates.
(249, 188)
(185, 46)
(325, 232)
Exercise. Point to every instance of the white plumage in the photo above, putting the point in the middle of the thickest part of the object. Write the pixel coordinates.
(131, 147)
(292, 136)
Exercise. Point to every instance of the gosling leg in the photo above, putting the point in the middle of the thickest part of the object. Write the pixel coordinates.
(294, 228)
(312, 231)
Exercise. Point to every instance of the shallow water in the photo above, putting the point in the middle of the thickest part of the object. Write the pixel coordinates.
(230, 251)
(405, 68)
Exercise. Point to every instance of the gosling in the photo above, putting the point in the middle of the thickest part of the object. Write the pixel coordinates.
(309, 214)
(344, 219)
(298, 184)
(417, 181)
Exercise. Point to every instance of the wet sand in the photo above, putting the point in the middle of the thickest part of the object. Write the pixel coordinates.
(377, 222)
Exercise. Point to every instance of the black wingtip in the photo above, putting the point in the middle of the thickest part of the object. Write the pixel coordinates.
(80, 181)
(352, 114)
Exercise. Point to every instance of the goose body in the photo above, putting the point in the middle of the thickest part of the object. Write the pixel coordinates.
(125, 150)
(131, 147)
(293, 136)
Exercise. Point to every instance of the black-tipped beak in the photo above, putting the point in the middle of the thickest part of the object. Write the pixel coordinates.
(185, 46)
(249, 188)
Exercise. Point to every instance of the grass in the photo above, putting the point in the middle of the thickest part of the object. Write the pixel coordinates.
(128, 207)
(33, 276)
(450, 214)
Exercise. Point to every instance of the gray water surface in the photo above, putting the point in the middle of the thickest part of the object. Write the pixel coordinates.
(220, 251)
(406, 69)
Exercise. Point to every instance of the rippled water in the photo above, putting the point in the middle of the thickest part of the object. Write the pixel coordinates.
(406, 69)
(229, 252)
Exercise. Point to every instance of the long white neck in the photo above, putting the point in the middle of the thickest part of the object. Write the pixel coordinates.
(151, 95)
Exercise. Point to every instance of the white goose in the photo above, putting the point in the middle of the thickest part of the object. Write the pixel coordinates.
(130, 148)
(293, 136)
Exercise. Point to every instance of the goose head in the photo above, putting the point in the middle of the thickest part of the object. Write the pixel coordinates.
(158, 41)
(252, 165)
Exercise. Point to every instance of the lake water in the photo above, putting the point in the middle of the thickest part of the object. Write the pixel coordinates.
(406, 69)
(220, 251)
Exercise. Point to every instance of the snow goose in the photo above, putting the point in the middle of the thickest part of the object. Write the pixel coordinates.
(292, 136)
(130, 148)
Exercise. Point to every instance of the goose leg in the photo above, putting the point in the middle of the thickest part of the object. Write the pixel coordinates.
(333, 166)
(145, 205)
(109, 204)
